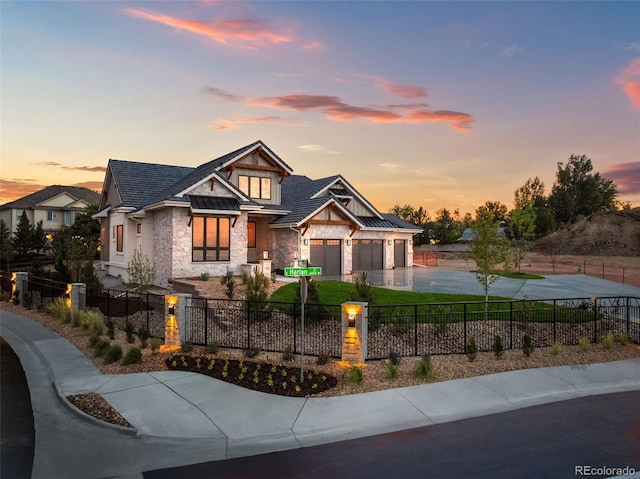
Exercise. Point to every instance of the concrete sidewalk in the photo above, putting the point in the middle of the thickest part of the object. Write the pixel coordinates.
(184, 418)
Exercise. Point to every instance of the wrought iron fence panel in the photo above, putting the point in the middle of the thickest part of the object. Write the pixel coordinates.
(43, 291)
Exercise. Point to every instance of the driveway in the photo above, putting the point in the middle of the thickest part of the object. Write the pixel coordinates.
(435, 280)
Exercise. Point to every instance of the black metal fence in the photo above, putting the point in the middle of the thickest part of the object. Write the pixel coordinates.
(413, 330)
(141, 309)
(418, 329)
(268, 326)
(41, 292)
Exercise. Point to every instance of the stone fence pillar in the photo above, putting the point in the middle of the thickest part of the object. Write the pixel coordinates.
(177, 329)
(19, 286)
(355, 327)
(77, 296)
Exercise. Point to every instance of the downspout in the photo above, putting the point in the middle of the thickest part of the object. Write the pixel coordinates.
(296, 255)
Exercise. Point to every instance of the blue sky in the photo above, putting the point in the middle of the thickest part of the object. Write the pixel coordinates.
(434, 104)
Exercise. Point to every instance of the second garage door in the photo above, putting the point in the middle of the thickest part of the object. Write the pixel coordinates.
(327, 254)
(367, 254)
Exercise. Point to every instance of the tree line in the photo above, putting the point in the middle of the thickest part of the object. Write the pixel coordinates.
(576, 193)
(73, 249)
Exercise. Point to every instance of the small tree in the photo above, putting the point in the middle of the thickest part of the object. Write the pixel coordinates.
(521, 230)
(6, 246)
(23, 237)
(488, 250)
(141, 270)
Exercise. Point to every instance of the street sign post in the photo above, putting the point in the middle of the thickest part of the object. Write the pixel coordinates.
(302, 273)
(308, 271)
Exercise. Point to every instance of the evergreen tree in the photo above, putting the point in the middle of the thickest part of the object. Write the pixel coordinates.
(6, 246)
(23, 237)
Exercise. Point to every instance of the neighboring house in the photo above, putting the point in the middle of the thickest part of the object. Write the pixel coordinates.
(244, 208)
(469, 234)
(56, 206)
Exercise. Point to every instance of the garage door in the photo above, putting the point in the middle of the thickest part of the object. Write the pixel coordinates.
(400, 253)
(367, 254)
(327, 254)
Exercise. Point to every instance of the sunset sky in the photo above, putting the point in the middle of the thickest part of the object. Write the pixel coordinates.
(424, 103)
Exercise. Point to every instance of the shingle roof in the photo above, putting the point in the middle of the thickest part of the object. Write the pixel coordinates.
(29, 201)
(140, 183)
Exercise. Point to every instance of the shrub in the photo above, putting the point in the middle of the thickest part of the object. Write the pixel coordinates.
(212, 348)
(130, 330)
(471, 349)
(187, 347)
(102, 346)
(323, 358)
(556, 347)
(362, 291)
(112, 354)
(111, 328)
(355, 375)
(143, 335)
(394, 357)
(28, 300)
(287, 355)
(93, 341)
(527, 345)
(392, 370)
(607, 341)
(498, 346)
(155, 345)
(584, 343)
(141, 270)
(133, 356)
(229, 284)
(59, 310)
(251, 352)
(623, 338)
(425, 368)
(204, 276)
(257, 292)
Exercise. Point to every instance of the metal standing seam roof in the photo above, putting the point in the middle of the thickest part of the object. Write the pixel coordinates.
(34, 199)
(216, 203)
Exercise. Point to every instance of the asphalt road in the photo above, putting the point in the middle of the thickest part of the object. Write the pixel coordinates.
(548, 441)
(16, 417)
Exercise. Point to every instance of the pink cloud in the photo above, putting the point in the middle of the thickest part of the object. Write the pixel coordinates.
(335, 109)
(626, 176)
(629, 79)
(314, 45)
(403, 91)
(223, 94)
(226, 124)
(249, 33)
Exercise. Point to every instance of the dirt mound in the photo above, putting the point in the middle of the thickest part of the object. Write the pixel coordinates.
(611, 233)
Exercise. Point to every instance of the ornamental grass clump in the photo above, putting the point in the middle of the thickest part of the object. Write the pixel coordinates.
(59, 310)
(556, 347)
(212, 348)
(155, 345)
(584, 343)
(111, 328)
(130, 331)
(92, 322)
(76, 318)
(287, 354)
(101, 347)
(425, 368)
(607, 341)
(623, 338)
(133, 356)
(355, 375)
(392, 370)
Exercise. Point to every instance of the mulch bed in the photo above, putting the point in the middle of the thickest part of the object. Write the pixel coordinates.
(269, 378)
(95, 405)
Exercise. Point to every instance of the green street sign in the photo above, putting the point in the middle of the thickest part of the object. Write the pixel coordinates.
(310, 271)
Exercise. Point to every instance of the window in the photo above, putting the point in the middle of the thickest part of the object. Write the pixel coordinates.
(251, 234)
(52, 216)
(255, 186)
(139, 228)
(211, 239)
(67, 218)
(120, 238)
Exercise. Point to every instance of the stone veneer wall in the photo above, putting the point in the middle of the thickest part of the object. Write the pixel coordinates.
(284, 242)
(182, 264)
(163, 245)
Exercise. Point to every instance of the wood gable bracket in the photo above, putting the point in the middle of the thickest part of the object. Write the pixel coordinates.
(213, 182)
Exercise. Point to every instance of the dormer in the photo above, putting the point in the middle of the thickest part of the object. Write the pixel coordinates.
(258, 173)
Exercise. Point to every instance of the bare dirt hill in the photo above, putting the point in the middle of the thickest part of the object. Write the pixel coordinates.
(611, 233)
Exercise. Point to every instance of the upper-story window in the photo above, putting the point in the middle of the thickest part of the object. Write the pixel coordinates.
(52, 216)
(255, 186)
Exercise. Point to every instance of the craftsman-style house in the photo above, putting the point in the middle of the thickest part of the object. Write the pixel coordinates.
(242, 210)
